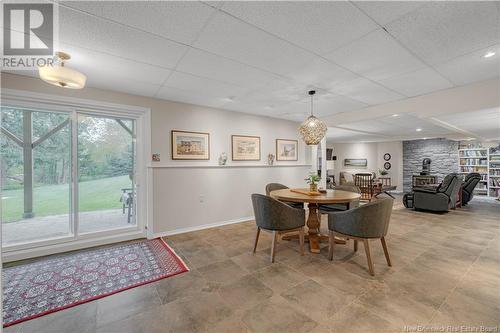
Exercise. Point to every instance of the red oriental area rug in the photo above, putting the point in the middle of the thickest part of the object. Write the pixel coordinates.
(56, 283)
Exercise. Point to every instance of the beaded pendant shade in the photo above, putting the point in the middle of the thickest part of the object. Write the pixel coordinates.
(312, 129)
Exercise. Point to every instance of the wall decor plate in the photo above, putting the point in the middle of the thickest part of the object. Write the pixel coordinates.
(387, 165)
(387, 157)
(287, 150)
(245, 148)
(190, 145)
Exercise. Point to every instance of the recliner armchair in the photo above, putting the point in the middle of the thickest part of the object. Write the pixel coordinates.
(439, 199)
(471, 180)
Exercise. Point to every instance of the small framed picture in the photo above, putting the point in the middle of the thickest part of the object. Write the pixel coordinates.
(356, 162)
(190, 145)
(287, 150)
(245, 148)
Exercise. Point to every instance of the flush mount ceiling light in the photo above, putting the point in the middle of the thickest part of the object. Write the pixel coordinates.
(312, 129)
(395, 115)
(60, 75)
(418, 130)
(489, 54)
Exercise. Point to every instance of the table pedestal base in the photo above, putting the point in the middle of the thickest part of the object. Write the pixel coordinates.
(314, 240)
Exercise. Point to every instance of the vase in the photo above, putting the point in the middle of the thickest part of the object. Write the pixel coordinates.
(313, 187)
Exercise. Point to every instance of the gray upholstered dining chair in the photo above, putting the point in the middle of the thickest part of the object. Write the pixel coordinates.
(367, 222)
(277, 186)
(277, 217)
(324, 209)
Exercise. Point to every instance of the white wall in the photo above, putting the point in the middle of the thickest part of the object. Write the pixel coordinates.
(186, 198)
(374, 153)
(188, 194)
(396, 150)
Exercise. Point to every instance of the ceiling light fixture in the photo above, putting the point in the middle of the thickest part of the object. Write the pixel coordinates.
(61, 76)
(312, 129)
(418, 130)
(395, 115)
(489, 54)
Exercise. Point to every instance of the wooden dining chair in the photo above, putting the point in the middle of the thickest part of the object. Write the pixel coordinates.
(365, 182)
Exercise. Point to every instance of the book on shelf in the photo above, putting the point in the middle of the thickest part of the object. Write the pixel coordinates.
(473, 161)
(494, 182)
(473, 153)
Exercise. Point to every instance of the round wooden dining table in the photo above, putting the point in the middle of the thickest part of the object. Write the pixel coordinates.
(313, 223)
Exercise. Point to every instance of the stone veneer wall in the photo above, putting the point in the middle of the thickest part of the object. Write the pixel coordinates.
(442, 152)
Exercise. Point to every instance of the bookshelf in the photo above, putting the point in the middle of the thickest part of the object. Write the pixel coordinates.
(494, 172)
(476, 159)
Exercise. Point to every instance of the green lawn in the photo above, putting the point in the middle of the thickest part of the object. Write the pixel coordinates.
(98, 194)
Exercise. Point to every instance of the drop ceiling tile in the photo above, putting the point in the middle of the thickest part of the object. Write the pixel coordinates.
(201, 63)
(400, 127)
(325, 104)
(366, 92)
(339, 135)
(261, 109)
(472, 67)
(189, 96)
(484, 123)
(376, 56)
(443, 30)
(278, 92)
(203, 86)
(322, 74)
(297, 107)
(422, 81)
(229, 37)
(121, 84)
(386, 11)
(317, 26)
(96, 34)
(95, 63)
(373, 126)
(181, 21)
(329, 104)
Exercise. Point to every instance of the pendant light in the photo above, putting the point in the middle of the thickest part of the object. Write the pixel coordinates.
(312, 129)
(60, 75)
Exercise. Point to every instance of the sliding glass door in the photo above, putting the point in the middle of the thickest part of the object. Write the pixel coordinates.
(35, 163)
(65, 175)
(106, 187)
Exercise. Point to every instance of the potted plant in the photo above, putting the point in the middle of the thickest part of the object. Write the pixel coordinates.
(313, 180)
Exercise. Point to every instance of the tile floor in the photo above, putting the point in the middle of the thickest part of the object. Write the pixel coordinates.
(446, 272)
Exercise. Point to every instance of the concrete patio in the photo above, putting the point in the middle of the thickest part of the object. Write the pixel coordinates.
(40, 228)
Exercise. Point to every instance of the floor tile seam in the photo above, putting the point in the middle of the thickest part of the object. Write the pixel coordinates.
(459, 281)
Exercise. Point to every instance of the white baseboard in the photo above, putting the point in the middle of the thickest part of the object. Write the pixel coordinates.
(201, 227)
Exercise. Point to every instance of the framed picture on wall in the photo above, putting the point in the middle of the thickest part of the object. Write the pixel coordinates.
(190, 145)
(356, 162)
(245, 148)
(287, 150)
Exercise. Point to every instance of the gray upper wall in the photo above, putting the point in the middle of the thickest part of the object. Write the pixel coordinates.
(442, 152)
